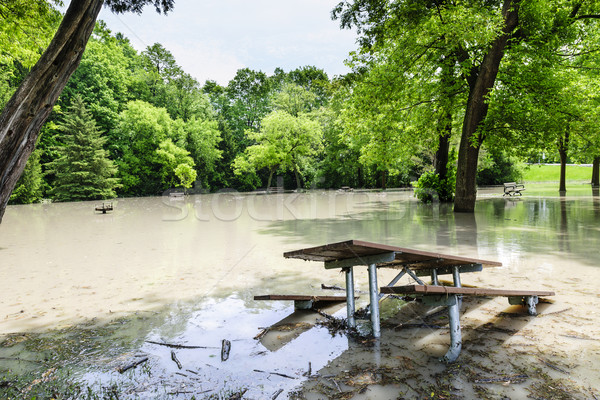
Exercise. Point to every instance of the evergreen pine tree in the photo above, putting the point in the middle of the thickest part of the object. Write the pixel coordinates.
(83, 170)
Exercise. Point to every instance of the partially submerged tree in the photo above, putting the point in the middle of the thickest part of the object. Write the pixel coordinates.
(27, 110)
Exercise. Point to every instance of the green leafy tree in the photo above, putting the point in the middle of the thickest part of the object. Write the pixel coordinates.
(29, 186)
(176, 164)
(140, 129)
(83, 171)
(284, 142)
(186, 175)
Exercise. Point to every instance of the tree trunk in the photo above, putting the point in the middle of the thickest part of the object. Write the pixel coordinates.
(271, 171)
(441, 155)
(28, 109)
(596, 172)
(562, 187)
(383, 183)
(563, 148)
(297, 175)
(476, 112)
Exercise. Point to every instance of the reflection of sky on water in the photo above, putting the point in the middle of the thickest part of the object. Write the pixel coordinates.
(250, 364)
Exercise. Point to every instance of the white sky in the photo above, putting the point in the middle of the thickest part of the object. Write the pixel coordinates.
(212, 39)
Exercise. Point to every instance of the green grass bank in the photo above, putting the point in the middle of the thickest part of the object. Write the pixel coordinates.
(551, 173)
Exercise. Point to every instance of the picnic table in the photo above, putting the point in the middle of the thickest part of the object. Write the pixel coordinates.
(414, 263)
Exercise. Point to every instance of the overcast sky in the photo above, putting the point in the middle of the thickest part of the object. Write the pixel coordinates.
(212, 39)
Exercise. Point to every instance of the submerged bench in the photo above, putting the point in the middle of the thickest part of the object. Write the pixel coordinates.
(449, 296)
(513, 189)
(302, 301)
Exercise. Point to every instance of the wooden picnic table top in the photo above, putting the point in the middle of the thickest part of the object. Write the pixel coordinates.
(415, 259)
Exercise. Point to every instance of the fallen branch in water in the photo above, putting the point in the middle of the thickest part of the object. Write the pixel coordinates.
(275, 373)
(277, 393)
(555, 312)
(504, 379)
(578, 337)
(132, 365)
(334, 287)
(174, 358)
(262, 333)
(408, 326)
(225, 349)
(554, 367)
(180, 346)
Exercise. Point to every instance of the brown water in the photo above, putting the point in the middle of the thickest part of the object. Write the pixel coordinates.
(188, 269)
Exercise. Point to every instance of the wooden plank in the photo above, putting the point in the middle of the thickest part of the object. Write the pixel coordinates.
(467, 291)
(356, 248)
(300, 297)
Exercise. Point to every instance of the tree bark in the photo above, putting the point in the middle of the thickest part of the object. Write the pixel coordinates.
(383, 182)
(28, 109)
(297, 175)
(271, 171)
(476, 112)
(563, 147)
(441, 155)
(596, 172)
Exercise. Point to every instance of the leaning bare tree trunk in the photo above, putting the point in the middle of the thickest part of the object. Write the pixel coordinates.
(27, 110)
(476, 112)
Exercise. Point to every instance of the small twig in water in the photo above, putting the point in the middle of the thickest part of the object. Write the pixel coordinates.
(132, 365)
(262, 333)
(180, 346)
(277, 393)
(275, 373)
(174, 358)
(554, 367)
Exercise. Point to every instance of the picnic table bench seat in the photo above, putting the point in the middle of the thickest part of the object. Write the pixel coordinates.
(449, 296)
(303, 301)
(513, 189)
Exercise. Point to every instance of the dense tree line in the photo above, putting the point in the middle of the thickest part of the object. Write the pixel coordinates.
(454, 93)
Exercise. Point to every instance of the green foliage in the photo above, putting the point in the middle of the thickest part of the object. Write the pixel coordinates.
(186, 175)
(29, 187)
(26, 28)
(177, 167)
(284, 142)
(430, 187)
(83, 170)
(140, 129)
(496, 167)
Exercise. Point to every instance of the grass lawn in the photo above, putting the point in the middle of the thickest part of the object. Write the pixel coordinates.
(549, 173)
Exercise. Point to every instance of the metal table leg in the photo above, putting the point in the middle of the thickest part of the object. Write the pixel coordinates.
(350, 297)
(374, 300)
(455, 333)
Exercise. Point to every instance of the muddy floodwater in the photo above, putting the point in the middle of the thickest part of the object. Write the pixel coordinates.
(90, 294)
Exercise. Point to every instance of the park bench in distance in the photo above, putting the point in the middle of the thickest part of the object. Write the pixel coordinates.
(513, 189)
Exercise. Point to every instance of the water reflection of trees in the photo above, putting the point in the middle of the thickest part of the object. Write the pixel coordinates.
(525, 226)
